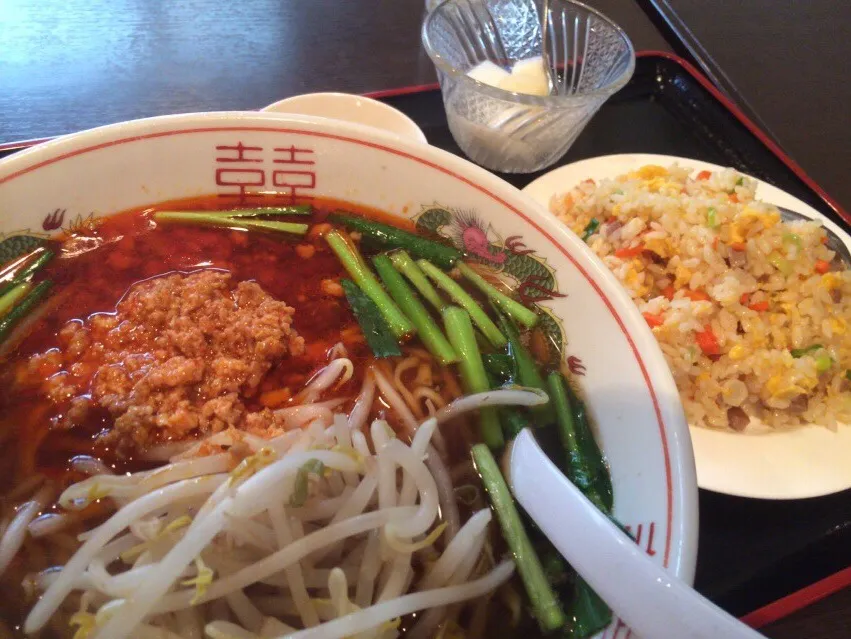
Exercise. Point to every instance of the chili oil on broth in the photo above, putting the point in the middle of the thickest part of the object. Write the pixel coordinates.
(96, 267)
(128, 248)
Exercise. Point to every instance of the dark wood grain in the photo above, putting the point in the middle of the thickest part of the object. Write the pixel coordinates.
(67, 65)
(788, 63)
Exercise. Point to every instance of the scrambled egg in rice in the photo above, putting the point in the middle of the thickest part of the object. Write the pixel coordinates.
(751, 312)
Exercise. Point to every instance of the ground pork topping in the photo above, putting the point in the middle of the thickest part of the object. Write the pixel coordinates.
(179, 355)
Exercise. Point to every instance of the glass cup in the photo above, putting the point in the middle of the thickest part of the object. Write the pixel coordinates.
(590, 56)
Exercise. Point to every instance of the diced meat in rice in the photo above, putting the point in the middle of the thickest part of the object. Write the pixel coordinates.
(740, 294)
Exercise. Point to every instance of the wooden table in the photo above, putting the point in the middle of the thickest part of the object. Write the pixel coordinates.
(67, 65)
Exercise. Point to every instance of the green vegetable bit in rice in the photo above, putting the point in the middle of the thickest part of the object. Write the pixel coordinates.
(753, 313)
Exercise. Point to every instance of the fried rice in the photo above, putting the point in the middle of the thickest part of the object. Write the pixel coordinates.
(752, 313)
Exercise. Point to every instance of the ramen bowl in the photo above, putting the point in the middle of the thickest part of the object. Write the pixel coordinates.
(73, 181)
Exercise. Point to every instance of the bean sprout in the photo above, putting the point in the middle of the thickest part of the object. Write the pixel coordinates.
(318, 514)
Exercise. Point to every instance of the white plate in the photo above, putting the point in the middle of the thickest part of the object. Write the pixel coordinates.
(351, 108)
(806, 462)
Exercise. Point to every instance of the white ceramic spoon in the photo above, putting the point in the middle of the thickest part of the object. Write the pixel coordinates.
(654, 604)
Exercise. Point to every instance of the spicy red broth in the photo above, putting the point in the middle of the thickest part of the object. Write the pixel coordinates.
(98, 265)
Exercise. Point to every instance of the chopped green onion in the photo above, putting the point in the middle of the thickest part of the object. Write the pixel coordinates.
(823, 362)
(848, 374)
(500, 367)
(43, 257)
(712, 217)
(392, 237)
(13, 296)
(429, 332)
(296, 228)
(544, 600)
(578, 466)
(36, 265)
(800, 352)
(780, 263)
(23, 308)
(459, 328)
(515, 310)
(592, 227)
(587, 614)
(594, 459)
(211, 219)
(408, 267)
(463, 299)
(297, 209)
(513, 421)
(554, 565)
(375, 330)
(618, 192)
(527, 371)
(353, 262)
(740, 181)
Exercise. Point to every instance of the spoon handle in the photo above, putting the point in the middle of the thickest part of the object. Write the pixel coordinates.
(654, 604)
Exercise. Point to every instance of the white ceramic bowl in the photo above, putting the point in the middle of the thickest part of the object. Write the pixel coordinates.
(630, 392)
(351, 108)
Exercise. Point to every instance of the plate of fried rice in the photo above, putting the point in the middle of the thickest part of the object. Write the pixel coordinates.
(752, 311)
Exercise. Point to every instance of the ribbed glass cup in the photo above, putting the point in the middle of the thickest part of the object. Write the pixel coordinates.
(511, 132)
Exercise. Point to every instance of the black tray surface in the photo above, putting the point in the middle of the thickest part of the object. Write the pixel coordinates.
(751, 552)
